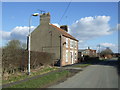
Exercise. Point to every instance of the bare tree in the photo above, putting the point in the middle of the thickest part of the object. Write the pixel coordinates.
(13, 44)
(107, 51)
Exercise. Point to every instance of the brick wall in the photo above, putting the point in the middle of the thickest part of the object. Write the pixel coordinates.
(69, 50)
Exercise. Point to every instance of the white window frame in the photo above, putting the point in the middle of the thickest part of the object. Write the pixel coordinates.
(71, 44)
(75, 55)
(66, 42)
(66, 55)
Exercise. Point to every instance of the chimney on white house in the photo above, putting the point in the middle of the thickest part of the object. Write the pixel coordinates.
(45, 18)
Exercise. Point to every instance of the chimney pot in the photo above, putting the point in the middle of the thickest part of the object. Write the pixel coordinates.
(45, 18)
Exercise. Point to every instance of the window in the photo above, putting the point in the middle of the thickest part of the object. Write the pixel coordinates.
(66, 55)
(71, 43)
(75, 44)
(66, 42)
(75, 55)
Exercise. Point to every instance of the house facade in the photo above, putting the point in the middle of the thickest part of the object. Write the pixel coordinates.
(87, 52)
(52, 39)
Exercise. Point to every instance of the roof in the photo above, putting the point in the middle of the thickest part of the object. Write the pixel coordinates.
(81, 50)
(92, 50)
(63, 32)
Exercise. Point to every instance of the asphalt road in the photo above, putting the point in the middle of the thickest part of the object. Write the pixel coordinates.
(102, 75)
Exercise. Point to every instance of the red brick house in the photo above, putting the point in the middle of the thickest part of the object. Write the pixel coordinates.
(87, 52)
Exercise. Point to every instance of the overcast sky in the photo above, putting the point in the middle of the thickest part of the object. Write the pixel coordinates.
(92, 23)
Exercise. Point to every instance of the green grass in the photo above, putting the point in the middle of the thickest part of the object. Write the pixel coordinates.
(43, 81)
(14, 78)
(81, 65)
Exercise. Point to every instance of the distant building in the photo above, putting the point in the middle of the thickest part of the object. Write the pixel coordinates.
(107, 53)
(52, 39)
(116, 54)
(87, 52)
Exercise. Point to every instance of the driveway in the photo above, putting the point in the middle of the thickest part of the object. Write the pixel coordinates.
(102, 75)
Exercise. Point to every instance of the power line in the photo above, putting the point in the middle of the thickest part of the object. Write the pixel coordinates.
(64, 12)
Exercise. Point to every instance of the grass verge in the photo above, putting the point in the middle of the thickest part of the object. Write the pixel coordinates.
(13, 78)
(81, 65)
(43, 81)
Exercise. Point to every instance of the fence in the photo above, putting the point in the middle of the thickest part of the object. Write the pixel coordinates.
(17, 60)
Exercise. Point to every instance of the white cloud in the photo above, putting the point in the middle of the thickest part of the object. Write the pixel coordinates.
(5, 35)
(19, 32)
(90, 27)
(113, 47)
(107, 44)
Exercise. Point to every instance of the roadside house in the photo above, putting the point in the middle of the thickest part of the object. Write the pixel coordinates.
(52, 39)
(116, 54)
(86, 53)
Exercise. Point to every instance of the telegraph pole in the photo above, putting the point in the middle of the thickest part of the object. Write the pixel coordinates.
(99, 50)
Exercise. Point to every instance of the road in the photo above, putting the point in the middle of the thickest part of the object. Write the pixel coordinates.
(102, 75)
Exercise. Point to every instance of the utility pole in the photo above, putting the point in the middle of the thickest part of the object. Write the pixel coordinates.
(99, 50)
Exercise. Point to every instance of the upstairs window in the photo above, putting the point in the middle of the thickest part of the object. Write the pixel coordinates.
(75, 44)
(66, 42)
(71, 43)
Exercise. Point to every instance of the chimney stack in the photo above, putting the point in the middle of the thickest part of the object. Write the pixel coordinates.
(64, 27)
(45, 18)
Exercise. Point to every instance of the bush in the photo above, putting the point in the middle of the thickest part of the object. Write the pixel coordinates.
(17, 60)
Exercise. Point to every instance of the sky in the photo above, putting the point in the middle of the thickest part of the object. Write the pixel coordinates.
(92, 23)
